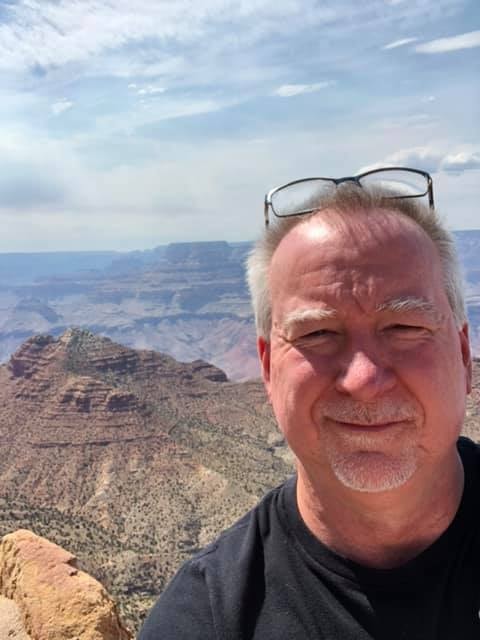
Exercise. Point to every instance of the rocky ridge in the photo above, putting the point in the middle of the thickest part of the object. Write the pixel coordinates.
(129, 458)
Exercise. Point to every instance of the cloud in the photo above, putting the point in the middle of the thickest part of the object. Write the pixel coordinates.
(151, 113)
(44, 34)
(399, 43)
(61, 106)
(131, 72)
(455, 43)
(462, 161)
(424, 158)
(289, 90)
(430, 159)
(188, 43)
(150, 90)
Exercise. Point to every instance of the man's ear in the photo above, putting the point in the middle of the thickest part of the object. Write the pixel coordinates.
(466, 355)
(263, 348)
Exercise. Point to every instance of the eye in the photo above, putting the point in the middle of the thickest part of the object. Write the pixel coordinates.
(406, 330)
(319, 336)
(320, 333)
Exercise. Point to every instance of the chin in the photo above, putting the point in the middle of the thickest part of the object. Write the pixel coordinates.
(373, 472)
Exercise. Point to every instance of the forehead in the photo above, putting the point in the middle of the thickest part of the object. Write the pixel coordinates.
(374, 256)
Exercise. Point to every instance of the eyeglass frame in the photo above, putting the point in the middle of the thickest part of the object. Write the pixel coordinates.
(355, 179)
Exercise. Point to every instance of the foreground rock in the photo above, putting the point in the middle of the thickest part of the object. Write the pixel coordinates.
(11, 625)
(55, 600)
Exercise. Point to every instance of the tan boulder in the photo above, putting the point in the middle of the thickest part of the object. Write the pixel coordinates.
(11, 625)
(55, 599)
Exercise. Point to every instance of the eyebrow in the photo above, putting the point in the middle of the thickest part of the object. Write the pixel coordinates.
(307, 315)
(396, 305)
(409, 303)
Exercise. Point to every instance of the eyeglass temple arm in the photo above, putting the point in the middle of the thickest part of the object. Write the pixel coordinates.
(265, 212)
(430, 193)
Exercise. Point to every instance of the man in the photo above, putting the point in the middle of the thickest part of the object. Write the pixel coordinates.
(365, 356)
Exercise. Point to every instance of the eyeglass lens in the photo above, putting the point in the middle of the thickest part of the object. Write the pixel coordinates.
(407, 183)
(303, 196)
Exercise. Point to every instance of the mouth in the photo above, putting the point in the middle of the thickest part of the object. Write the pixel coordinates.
(375, 427)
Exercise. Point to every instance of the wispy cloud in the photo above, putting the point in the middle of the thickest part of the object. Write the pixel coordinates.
(150, 90)
(61, 106)
(51, 34)
(399, 43)
(455, 43)
(289, 90)
(48, 34)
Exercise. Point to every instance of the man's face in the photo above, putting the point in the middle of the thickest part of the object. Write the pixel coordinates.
(366, 370)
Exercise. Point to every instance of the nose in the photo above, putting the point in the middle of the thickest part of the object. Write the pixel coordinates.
(365, 378)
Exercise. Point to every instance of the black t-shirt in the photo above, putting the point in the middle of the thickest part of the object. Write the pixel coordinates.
(269, 578)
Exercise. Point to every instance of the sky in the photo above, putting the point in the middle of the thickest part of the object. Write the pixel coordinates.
(125, 125)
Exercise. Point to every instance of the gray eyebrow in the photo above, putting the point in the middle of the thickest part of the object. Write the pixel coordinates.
(396, 305)
(409, 303)
(304, 315)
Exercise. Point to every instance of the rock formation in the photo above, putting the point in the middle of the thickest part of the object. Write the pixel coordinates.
(129, 458)
(56, 600)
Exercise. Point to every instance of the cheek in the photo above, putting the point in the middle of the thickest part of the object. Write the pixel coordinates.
(438, 385)
(296, 386)
(445, 398)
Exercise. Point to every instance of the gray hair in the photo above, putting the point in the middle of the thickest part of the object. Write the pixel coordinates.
(350, 199)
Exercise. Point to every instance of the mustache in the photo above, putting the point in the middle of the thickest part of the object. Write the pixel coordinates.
(381, 412)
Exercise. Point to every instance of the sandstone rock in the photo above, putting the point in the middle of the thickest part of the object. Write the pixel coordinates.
(11, 625)
(56, 600)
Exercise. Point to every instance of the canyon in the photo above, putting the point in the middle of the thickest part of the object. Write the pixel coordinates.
(188, 300)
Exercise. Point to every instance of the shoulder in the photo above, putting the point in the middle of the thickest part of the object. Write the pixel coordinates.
(469, 453)
(206, 591)
(234, 545)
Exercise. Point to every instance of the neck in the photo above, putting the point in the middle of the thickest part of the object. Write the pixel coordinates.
(385, 529)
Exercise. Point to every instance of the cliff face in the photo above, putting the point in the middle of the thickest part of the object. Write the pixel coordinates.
(129, 458)
(55, 600)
